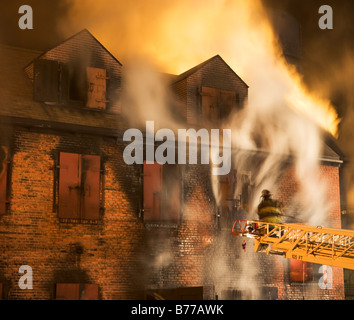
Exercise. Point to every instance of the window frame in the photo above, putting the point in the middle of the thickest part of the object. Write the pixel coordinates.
(82, 216)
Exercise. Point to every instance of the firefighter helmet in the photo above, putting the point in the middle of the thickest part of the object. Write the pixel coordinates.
(266, 193)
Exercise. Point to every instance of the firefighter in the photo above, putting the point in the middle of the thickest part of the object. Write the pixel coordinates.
(269, 210)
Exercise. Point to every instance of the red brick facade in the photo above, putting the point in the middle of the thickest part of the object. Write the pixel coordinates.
(121, 253)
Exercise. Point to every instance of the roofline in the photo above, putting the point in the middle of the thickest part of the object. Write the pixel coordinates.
(83, 30)
(185, 74)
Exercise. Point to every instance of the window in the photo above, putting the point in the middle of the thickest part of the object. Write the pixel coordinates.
(75, 291)
(76, 81)
(59, 83)
(3, 178)
(300, 271)
(235, 189)
(217, 104)
(162, 192)
(46, 81)
(79, 186)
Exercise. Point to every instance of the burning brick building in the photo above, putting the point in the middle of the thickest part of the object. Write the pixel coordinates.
(93, 227)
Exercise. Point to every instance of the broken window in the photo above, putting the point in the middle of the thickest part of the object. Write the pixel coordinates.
(3, 178)
(217, 104)
(300, 271)
(79, 186)
(75, 291)
(161, 192)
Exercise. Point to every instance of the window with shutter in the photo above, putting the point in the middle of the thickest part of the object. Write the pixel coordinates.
(227, 103)
(90, 205)
(96, 92)
(300, 271)
(210, 103)
(3, 178)
(76, 291)
(79, 186)
(69, 185)
(152, 191)
(162, 192)
(46, 81)
(217, 104)
(67, 291)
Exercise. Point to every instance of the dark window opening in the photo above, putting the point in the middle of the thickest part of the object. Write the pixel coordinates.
(77, 84)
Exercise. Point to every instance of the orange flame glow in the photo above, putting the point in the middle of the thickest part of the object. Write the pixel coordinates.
(179, 34)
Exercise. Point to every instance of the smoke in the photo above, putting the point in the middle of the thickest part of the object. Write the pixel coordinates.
(281, 118)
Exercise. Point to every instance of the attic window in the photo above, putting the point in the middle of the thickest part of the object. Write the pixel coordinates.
(217, 104)
(59, 83)
(77, 84)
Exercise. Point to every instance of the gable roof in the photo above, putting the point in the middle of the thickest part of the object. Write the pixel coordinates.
(81, 34)
(193, 70)
(17, 105)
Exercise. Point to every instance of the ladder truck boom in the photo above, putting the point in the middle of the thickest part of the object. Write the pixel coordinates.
(327, 246)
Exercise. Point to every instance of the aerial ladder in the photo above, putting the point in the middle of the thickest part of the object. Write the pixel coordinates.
(327, 246)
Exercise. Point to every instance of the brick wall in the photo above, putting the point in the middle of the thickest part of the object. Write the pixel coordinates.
(120, 253)
(106, 253)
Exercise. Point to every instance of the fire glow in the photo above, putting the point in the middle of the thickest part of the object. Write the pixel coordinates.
(179, 34)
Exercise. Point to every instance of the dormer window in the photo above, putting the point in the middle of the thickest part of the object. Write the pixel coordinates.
(217, 104)
(59, 83)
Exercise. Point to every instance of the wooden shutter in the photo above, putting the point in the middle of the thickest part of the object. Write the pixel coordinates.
(67, 291)
(46, 80)
(96, 93)
(90, 208)
(227, 187)
(1, 293)
(171, 188)
(69, 185)
(76, 291)
(227, 103)
(300, 271)
(210, 103)
(3, 178)
(152, 191)
(88, 292)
